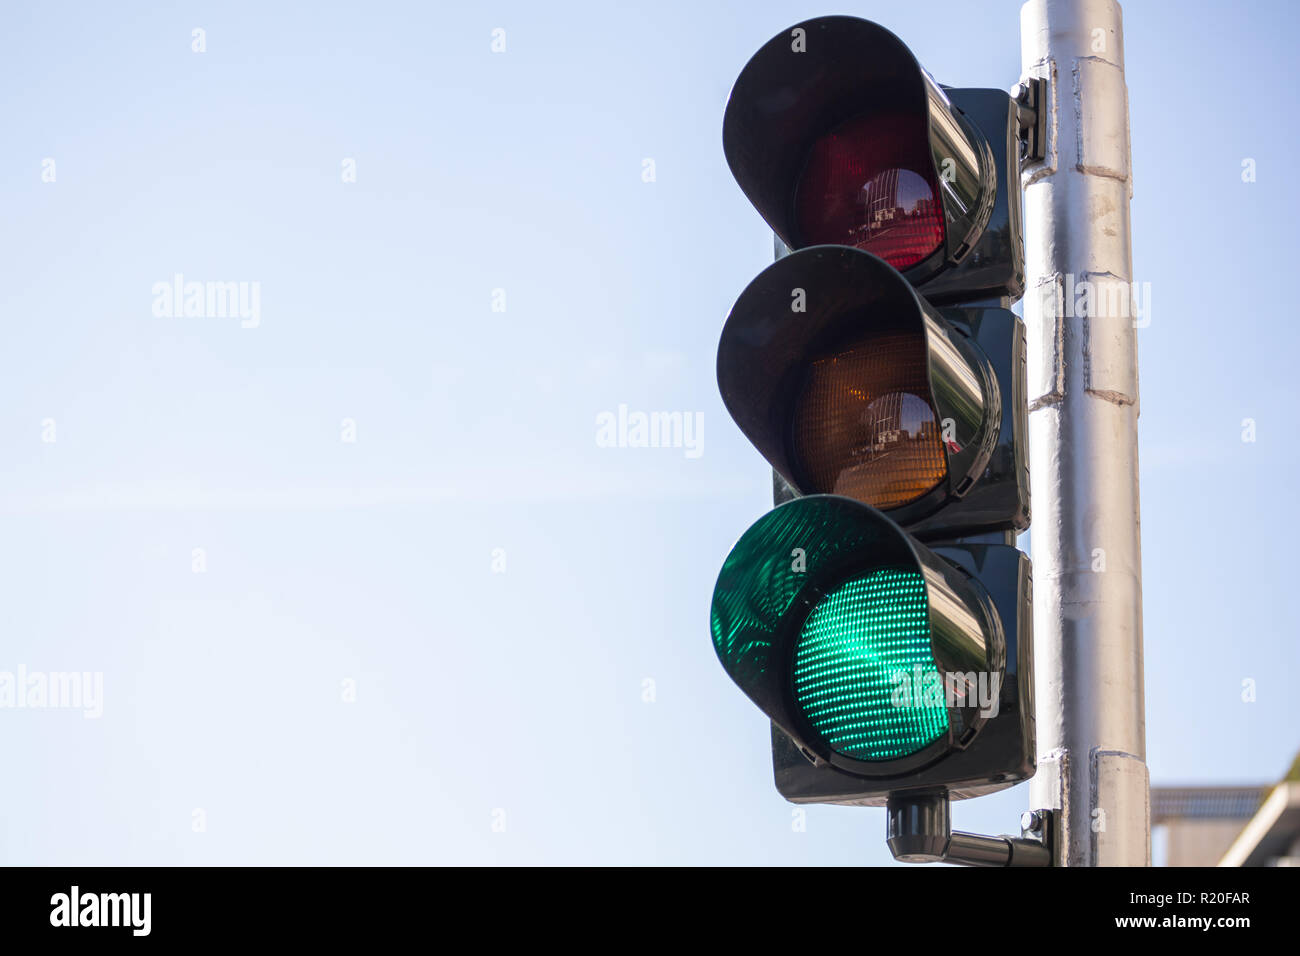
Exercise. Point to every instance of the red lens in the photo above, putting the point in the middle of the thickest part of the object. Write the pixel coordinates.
(870, 183)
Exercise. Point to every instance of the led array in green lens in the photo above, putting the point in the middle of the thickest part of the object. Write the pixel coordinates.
(864, 673)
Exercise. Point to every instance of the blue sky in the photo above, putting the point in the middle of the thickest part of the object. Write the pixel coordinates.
(516, 697)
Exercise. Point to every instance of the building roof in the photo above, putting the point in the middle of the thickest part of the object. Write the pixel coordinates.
(1206, 803)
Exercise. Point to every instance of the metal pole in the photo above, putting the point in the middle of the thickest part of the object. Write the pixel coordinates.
(1083, 395)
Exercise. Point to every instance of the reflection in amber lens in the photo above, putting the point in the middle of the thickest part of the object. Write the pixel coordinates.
(864, 426)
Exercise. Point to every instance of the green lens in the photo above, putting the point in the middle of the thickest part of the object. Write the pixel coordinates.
(864, 672)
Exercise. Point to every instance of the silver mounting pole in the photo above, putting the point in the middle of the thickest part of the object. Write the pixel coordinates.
(1083, 399)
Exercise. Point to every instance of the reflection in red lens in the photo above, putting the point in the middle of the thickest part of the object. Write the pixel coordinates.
(870, 183)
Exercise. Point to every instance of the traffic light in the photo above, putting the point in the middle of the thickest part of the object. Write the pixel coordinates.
(880, 615)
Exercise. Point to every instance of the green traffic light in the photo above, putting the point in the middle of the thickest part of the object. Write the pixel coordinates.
(864, 673)
(862, 646)
(824, 637)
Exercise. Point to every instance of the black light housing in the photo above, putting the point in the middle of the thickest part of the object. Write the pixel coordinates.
(877, 367)
(805, 307)
(807, 83)
(765, 607)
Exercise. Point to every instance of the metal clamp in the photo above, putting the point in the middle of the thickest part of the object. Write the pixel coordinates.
(919, 830)
(1031, 112)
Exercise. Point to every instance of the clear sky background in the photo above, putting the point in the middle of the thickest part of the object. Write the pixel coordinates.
(516, 698)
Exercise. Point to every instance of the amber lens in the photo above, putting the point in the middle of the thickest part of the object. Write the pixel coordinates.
(864, 425)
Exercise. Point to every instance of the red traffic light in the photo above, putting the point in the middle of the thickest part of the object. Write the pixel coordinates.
(838, 136)
(871, 183)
